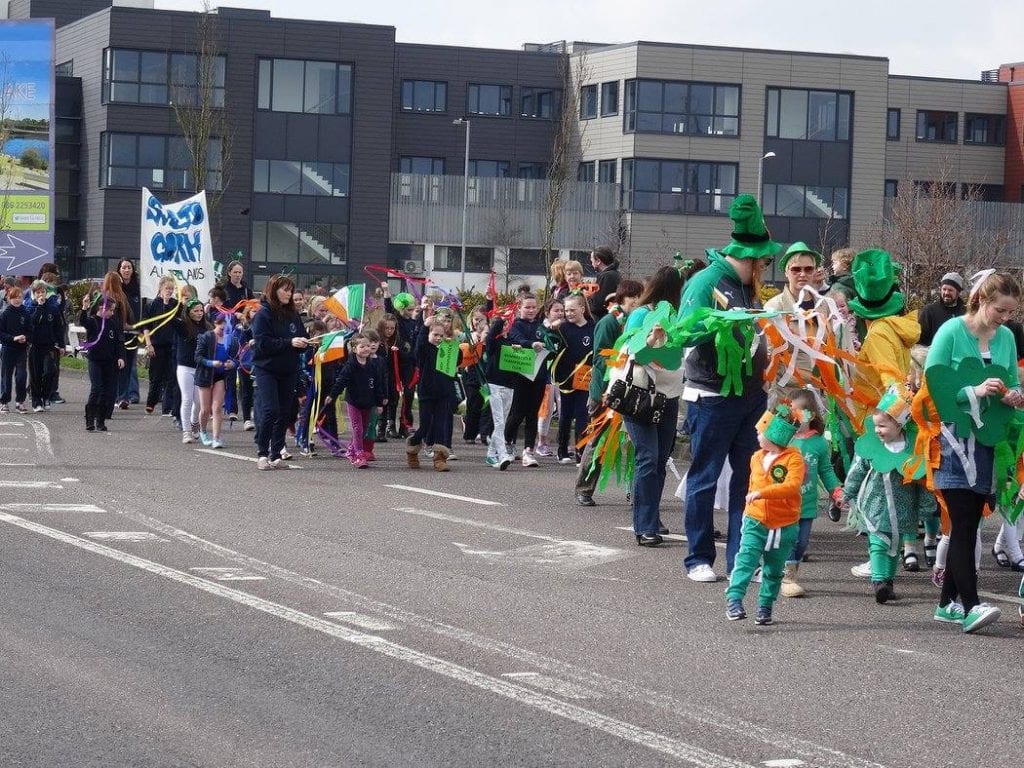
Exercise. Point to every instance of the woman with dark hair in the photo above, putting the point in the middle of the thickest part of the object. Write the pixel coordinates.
(235, 288)
(128, 377)
(653, 442)
(278, 338)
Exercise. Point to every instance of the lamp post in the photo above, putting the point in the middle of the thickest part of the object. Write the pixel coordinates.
(760, 173)
(465, 201)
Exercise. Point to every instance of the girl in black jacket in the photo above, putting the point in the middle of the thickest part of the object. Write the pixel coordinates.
(216, 359)
(106, 353)
(13, 346)
(435, 398)
(527, 331)
(45, 328)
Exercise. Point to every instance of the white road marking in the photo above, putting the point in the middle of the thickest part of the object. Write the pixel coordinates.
(122, 536)
(558, 687)
(470, 499)
(559, 555)
(12, 448)
(475, 523)
(43, 443)
(17, 435)
(640, 736)
(70, 480)
(228, 574)
(12, 423)
(15, 464)
(786, 762)
(240, 457)
(52, 508)
(683, 711)
(361, 620)
(29, 484)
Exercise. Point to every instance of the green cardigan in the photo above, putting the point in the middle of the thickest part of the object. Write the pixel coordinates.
(816, 455)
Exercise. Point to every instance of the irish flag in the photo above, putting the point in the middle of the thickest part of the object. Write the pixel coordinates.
(332, 347)
(347, 303)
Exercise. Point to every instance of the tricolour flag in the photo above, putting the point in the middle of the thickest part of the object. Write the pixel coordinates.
(347, 303)
(332, 347)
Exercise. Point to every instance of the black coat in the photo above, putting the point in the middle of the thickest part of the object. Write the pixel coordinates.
(272, 341)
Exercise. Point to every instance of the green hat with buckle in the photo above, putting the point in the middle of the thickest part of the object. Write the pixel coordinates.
(779, 426)
(799, 248)
(874, 279)
(750, 237)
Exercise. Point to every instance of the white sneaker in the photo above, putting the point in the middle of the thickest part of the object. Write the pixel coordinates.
(4, 408)
(21, 408)
(285, 455)
(980, 616)
(264, 463)
(702, 573)
(186, 438)
(37, 409)
(862, 571)
(249, 425)
(528, 458)
(452, 456)
(215, 443)
(280, 463)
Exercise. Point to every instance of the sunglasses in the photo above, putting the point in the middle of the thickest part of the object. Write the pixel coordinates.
(804, 270)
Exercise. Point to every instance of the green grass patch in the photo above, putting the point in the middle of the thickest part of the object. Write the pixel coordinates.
(79, 364)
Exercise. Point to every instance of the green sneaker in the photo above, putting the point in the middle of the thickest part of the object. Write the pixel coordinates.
(980, 616)
(950, 614)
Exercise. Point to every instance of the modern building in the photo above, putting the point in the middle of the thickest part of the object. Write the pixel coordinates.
(341, 148)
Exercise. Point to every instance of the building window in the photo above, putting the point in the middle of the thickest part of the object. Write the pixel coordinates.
(984, 129)
(532, 170)
(494, 100)
(610, 98)
(157, 77)
(982, 193)
(424, 166)
(891, 188)
(448, 258)
(807, 202)
(490, 169)
(678, 186)
(585, 171)
(656, 106)
(892, 125)
(424, 96)
(292, 177)
(933, 125)
(311, 87)
(588, 102)
(527, 261)
(606, 171)
(811, 115)
(540, 103)
(65, 69)
(299, 242)
(159, 162)
(935, 189)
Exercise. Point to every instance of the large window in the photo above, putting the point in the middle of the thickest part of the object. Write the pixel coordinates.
(313, 87)
(425, 166)
(813, 115)
(448, 258)
(585, 171)
(292, 177)
(588, 102)
(157, 77)
(159, 162)
(933, 125)
(606, 171)
(984, 129)
(299, 242)
(540, 103)
(532, 170)
(807, 202)
(678, 186)
(527, 261)
(424, 96)
(657, 106)
(490, 169)
(892, 188)
(494, 100)
(983, 193)
(892, 124)
(610, 98)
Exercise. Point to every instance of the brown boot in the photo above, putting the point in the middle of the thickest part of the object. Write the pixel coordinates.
(789, 586)
(412, 453)
(441, 458)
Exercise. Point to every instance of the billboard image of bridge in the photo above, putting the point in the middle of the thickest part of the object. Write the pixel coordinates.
(26, 145)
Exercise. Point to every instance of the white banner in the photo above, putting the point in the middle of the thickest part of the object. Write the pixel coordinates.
(176, 241)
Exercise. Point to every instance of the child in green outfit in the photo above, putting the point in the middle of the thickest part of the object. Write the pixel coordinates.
(817, 458)
(883, 505)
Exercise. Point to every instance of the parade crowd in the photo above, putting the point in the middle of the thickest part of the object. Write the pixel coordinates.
(905, 422)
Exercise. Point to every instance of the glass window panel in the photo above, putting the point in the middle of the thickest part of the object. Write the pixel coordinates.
(699, 124)
(184, 69)
(213, 153)
(408, 87)
(610, 98)
(153, 67)
(219, 65)
(261, 176)
(124, 92)
(441, 97)
(338, 245)
(627, 173)
(818, 202)
(585, 172)
(772, 128)
(282, 242)
(727, 100)
(648, 96)
(314, 243)
(344, 102)
(488, 99)
(284, 177)
(321, 88)
(727, 179)
(606, 171)
(316, 179)
(704, 181)
(287, 86)
(793, 114)
(340, 173)
(673, 176)
(789, 200)
(126, 65)
(151, 151)
(646, 174)
(153, 94)
(646, 201)
(727, 126)
(821, 116)
(121, 177)
(258, 250)
(178, 155)
(674, 98)
(423, 96)
(588, 101)
(648, 121)
(840, 202)
(671, 122)
(149, 177)
(702, 99)
(843, 114)
(263, 98)
(768, 199)
(122, 148)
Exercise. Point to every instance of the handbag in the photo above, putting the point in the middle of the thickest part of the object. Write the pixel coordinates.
(631, 392)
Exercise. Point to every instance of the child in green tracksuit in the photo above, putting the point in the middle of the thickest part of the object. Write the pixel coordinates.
(818, 461)
(770, 517)
(884, 506)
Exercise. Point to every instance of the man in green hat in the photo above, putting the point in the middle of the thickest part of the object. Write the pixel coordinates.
(720, 426)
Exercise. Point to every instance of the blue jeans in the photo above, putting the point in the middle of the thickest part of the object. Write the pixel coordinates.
(652, 444)
(803, 538)
(128, 378)
(274, 405)
(720, 428)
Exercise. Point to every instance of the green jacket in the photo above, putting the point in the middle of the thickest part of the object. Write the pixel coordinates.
(816, 455)
(606, 333)
(866, 490)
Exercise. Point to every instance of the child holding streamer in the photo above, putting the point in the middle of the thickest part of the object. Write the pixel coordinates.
(574, 337)
(403, 308)
(106, 355)
(364, 391)
(216, 359)
(435, 397)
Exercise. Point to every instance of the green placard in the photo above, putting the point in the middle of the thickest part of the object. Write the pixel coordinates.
(448, 357)
(522, 361)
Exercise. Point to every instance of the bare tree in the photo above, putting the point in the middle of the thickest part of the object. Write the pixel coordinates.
(7, 164)
(501, 232)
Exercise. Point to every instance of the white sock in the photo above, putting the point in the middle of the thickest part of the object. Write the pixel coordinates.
(977, 552)
(941, 552)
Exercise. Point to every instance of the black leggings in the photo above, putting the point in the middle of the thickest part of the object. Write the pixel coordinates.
(527, 395)
(961, 579)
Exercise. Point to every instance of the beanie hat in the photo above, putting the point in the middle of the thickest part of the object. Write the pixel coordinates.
(896, 403)
(403, 301)
(780, 425)
(953, 279)
(750, 237)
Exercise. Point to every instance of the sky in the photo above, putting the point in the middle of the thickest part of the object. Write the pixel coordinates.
(941, 38)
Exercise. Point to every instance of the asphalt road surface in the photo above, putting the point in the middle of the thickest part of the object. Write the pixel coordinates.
(168, 605)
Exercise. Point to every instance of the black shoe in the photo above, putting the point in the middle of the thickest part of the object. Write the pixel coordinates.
(101, 425)
(585, 500)
(90, 420)
(649, 540)
(663, 530)
(763, 617)
(718, 535)
(883, 592)
(835, 514)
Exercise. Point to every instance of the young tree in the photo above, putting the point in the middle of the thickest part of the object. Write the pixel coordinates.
(503, 234)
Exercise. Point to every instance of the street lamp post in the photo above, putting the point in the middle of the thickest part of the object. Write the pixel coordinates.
(465, 201)
(760, 173)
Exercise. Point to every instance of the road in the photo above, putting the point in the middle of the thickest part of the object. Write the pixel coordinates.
(165, 605)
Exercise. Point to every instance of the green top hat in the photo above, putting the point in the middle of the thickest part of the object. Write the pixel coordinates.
(798, 248)
(874, 278)
(779, 426)
(750, 237)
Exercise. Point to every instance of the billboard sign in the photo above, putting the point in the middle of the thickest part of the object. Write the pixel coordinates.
(26, 145)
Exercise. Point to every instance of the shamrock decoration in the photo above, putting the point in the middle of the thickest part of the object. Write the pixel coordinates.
(882, 460)
(779, 473)
(945, 384)
(670, 356)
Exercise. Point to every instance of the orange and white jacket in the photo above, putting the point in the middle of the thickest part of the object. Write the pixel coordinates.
(779, 486)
